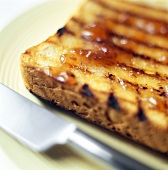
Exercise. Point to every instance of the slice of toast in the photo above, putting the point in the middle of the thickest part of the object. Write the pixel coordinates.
(109, 64)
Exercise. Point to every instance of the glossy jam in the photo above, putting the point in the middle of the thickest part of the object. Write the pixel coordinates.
(104, 52)
(96, 32)
(102, 55)
(156, 103)
(60, 75)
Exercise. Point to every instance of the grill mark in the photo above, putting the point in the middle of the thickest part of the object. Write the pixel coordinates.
(137, 35)
(144, 6)
(135, 70)
(140, 42)
(157, 103)
(106, 6)
(139, 87)
(160, 27)
(136, 55)
(144, 57)
(61, 31)
(76, 20)
(161, 78)
(112, 77)
(135, 85)
(141, 114)
(149, 45)
(133, 54)
(64, 30)
(137, 43)
(119, 109)
(134, 26)
(156, 76)
(85, 91)
(69, 32)
(159, 91)
(113, 102)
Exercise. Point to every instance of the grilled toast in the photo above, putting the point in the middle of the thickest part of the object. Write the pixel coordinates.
(109, 65)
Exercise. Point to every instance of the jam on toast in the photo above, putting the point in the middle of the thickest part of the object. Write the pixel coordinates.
(109, 64)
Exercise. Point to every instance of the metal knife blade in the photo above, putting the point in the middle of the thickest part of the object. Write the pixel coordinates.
(40, 129)
(29, 123)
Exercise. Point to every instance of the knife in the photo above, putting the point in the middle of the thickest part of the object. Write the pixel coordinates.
(40, 129)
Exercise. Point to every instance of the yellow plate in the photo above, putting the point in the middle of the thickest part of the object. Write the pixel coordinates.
(30, 29)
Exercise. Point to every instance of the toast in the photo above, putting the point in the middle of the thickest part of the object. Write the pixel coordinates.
(109, 65)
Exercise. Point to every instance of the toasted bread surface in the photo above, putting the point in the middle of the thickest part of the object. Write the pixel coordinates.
(109, 65)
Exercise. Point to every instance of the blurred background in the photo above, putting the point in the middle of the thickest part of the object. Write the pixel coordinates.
(10, 9)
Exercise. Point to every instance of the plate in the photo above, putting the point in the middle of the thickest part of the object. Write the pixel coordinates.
(28, 30)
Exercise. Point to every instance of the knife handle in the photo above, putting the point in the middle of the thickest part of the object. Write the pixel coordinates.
(111, 156)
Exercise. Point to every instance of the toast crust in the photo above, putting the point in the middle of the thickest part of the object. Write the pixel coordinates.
(104, 69)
